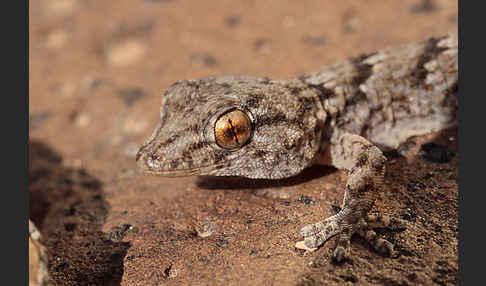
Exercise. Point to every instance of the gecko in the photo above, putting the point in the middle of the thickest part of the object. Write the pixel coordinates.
(345, 116)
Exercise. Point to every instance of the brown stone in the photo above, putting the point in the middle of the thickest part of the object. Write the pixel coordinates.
(254, 225)
(38, 275)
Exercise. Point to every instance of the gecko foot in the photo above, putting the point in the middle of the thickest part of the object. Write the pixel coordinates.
(316, 234)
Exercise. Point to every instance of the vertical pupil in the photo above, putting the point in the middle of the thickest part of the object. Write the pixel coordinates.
(232, 129)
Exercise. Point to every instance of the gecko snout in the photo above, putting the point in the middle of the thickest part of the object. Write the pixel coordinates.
(149, 161)
(141, 159)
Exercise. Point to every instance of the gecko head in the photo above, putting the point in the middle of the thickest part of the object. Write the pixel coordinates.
(232, 126)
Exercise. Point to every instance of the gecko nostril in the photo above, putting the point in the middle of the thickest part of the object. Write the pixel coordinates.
(146, 160)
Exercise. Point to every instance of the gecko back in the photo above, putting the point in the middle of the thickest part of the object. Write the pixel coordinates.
(393, 94)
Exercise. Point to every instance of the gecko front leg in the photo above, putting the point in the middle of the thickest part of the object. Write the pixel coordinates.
(366, 166)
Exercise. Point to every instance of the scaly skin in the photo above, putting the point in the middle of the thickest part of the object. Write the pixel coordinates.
(343, 116)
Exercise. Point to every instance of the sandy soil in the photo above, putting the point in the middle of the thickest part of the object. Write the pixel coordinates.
(97, 73)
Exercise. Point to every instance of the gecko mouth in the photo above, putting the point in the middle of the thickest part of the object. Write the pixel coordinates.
(175, 173)
(150, 165)
(203, 170)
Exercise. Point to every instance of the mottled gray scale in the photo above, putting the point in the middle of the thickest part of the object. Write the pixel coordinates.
(253, 101)
(362, 160)
(431, 50)
(337, 116)
(389, 106)
(216, 95)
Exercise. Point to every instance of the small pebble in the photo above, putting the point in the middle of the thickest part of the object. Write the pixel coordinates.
(134, 126)
(37, 119)
(38, 264)
(306, 200)
(82, 119)
(66, 89)
(203, 60)
(288, 22)
(206, 229)
(262, 46)
(75, 163)
(314, 40)
(171, 271)
(117, 233)
(352, 24)
(425, 6)
(131, 95)
(232, 21)
(60, 7)
(90, 83)
(125, 53)
(56, 39)
(273, 193)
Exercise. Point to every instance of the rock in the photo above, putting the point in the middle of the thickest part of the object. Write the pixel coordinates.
(117, 233)
(38, 275)
(206, 229)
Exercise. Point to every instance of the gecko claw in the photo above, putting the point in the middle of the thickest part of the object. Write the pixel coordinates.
(302, 245)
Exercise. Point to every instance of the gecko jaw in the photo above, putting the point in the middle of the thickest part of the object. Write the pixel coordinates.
(198, 171)
(152, 166)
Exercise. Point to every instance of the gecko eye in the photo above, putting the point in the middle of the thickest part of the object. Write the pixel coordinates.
(232, 129)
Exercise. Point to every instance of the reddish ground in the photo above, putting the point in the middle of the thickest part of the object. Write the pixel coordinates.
(97, 73)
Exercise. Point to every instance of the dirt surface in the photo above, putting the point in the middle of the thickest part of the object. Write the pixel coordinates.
(97, 73)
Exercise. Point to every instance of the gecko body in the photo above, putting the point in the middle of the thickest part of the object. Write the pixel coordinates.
(343, 115)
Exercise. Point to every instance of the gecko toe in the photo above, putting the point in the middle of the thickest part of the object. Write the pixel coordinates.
(302, 245)
(318, 233)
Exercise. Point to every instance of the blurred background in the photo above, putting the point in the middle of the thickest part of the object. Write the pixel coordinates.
(91, 60)
(97, 73)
